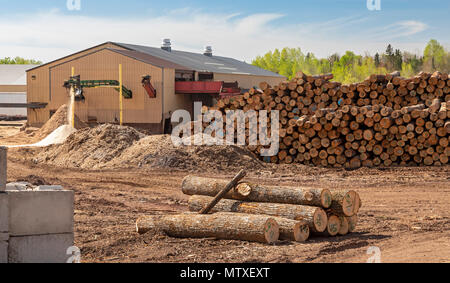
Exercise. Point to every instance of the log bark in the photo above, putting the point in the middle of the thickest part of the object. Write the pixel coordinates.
(288, 195)
(315, 217)
(223, 192)
(226, 226)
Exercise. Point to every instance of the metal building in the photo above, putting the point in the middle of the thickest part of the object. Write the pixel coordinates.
(13, 89)
(179, 78)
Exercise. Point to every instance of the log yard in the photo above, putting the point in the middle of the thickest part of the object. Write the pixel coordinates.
(128, 153)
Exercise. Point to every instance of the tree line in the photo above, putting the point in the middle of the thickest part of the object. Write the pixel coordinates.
(19, 61)
(351, 68)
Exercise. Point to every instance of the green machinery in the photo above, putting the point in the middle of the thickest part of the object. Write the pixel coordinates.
(79, 85)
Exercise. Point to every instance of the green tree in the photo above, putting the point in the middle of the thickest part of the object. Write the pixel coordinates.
(435, 57)
(19, 61)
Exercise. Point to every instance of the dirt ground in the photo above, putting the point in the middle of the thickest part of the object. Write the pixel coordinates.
(405, 213)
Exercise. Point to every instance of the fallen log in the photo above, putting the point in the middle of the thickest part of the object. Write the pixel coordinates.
(250, 192)
(293, 230)
(344, 203)
(314, 216)
(352, 223)
(333, 227)
(226, 226)
(223, 192)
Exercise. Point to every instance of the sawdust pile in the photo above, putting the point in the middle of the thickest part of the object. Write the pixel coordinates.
(57, 120)
(159, 152)
(90, 148)
(111, 146)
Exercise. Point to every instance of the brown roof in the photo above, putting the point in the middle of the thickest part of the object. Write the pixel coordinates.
(152, 60)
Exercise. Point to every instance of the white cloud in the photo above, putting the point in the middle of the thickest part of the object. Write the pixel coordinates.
(400, 29)
(51, 35)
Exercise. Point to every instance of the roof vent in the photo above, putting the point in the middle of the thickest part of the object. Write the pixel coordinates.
(208, 51)
(167, 45)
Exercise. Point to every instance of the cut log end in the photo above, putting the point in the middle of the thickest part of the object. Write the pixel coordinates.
(352, 223)
(326, 199)
(345, 226)
(244, 189)
(334, 225)
(271, 231)
(320, 220)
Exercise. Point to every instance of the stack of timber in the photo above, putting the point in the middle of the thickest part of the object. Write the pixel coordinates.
(256, 213)
(385, 120)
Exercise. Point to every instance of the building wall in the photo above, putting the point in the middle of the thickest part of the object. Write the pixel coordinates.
(173, 101)
(248, 81)
(15, 97)
(13, 88)
(38, 89)
(103, 103)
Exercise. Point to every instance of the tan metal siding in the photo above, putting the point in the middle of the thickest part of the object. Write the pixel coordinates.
(173, 101)
(103, 103)
(13, 88)
(247, 81)
(38, 89)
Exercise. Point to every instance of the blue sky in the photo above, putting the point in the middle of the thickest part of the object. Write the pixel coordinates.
(47, 29)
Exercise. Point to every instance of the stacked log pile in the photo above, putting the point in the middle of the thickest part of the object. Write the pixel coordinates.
(251, 212)
(384, 121)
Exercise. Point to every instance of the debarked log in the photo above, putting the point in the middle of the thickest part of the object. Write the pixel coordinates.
(315, 217)
(226, 226)
(251, 192)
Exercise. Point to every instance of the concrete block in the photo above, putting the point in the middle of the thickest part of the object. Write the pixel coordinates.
(4, 237)
(19, 186)
(4, 212)
(40, 249)
(3, 252)
(3, 162)
(40, 212)
(49, 188)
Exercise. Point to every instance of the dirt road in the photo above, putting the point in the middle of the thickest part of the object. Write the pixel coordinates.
(405, 213)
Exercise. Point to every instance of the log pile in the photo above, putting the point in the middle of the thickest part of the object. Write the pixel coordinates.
(385, 120)
(256, 213)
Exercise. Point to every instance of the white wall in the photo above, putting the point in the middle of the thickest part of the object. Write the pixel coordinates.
(13, 98)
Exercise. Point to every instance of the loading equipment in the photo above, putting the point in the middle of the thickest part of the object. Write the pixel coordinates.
(79, 85)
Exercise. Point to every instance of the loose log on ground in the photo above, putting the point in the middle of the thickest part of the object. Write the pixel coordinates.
(333, 227)
(343, 203)
(226, 226)
(293, 230)
(250, 192)
(314, 216)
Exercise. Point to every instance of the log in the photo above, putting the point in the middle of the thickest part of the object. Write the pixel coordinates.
(225, 226)
(352, 223)
(333, 227)
(292, 230)
(344, 226)
(343, 203)
(288, 195)
(223, 192)
(314, 216)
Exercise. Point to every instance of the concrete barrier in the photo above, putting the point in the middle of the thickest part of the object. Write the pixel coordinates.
(4, 237)
(40, 249)
(40, 212)
(4, 212)
(3, 168)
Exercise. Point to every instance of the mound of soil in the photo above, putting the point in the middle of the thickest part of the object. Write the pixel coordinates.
(90, 148)
(159, 152)
(58, 119)
(111, 146)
